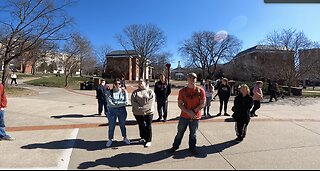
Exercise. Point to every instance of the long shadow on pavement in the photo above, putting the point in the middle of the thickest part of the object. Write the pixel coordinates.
(77, 116)
(138, 159)
(78, 144)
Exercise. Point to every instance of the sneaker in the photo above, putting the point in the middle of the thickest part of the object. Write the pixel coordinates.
(148, 144)
(226, 114)
(219, 114)
(172, 150)
(7, 139)
(125, 140)
(239, 139)
(158, 120)
(165, 120)
(194, 151)
(109, 143)
(209, 115)
(255, 115)
(142, 141)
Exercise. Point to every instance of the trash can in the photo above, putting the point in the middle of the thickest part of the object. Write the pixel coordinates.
(82, 86)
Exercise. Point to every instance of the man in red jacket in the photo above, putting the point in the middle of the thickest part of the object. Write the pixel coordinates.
(3, 105)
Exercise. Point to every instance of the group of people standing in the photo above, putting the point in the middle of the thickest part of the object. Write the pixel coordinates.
(191, 100)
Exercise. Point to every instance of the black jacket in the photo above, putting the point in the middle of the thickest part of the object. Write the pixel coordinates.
(162, 91)
(102, 93)
(241, 108)
(224, 91)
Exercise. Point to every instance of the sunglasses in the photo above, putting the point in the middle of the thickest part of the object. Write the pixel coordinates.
(116, 83)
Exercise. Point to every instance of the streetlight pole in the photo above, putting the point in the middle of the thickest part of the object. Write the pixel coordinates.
(168, 71)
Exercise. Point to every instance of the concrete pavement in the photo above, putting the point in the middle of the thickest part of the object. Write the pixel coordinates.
(286, 135)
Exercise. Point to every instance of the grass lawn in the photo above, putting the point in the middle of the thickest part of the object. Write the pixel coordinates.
(53, 81)
(18, 92)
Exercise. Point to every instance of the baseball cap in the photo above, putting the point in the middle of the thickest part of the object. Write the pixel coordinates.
(192, 75)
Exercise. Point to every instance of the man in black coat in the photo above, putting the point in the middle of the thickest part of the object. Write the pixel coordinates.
(162, 90)
(102, 96)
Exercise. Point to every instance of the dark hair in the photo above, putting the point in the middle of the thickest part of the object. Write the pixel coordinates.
(116, 80)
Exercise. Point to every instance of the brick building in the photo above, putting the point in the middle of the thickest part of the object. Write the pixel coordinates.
(310, 65)
(125, 63)
(260, 63)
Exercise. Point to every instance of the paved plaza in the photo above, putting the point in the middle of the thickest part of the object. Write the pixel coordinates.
(59, 129)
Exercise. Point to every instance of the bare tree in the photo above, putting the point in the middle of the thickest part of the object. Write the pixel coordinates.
(159, 62)
(101, 53)
(204, 50)
(32, 23)
(72, 50)
(146, 40)
(293, 42)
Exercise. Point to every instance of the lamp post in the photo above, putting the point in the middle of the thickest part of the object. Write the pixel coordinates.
(168, 71)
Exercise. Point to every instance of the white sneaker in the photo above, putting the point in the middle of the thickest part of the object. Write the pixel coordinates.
(7, 139)
(148, 144)
(125, 140)
(109, 143)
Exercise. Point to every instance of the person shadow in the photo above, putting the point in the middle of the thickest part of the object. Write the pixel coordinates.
(78, 144)
(127, 160)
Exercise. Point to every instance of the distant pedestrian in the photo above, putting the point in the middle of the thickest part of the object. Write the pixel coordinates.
(209, 89)
(118, 100)
(123, 83)
(162, 89)
(14, 78)
(191, 101)
(3, 104)
(143, 100)
(272, 88)
(257, 98)
(242, 105)
(102, 96)
(224, 93)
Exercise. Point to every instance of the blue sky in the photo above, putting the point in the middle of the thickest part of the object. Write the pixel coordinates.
(249, 20)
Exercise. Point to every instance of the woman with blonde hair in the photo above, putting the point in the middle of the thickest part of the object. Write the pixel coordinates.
(242, 105)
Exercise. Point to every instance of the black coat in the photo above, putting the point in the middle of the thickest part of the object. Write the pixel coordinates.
(241, 108)
(224, 91)
(102, 93)
(162, 91)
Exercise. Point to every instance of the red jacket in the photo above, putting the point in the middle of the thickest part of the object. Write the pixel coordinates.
(3, 99)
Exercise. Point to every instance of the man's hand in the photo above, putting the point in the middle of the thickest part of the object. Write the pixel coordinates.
(191, 114)
(2, 109)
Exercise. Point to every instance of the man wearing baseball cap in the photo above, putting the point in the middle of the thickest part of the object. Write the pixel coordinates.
(191, 101)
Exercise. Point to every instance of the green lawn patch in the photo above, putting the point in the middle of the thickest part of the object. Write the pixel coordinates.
(19, 92)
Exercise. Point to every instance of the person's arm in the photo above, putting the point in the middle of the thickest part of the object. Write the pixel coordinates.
(202, 101)
(185, 110)
(123, 102)
(168, 90)
(181, 105)
(150, 102)
(3, 98)
(134, 101)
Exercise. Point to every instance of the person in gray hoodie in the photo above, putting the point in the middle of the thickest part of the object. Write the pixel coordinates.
(118, 99)
(143, 101)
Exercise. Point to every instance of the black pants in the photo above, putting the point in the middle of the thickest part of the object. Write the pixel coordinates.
(256, 106)
(273, 95)
(162, 108)
(224, 101)
(145, 127)
(241, 128)
(14, 80)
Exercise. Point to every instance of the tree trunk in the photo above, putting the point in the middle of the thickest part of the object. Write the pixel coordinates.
(66, 80)
(5, 74)
(141, 72)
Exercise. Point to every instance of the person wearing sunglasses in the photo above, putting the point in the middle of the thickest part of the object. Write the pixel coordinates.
(118, 100)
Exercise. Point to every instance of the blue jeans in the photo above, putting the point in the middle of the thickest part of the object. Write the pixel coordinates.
(121, 114)
(3, 133)
(182, 127)
(103, 104)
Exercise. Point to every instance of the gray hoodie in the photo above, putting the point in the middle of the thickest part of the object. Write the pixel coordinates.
(143, 101)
